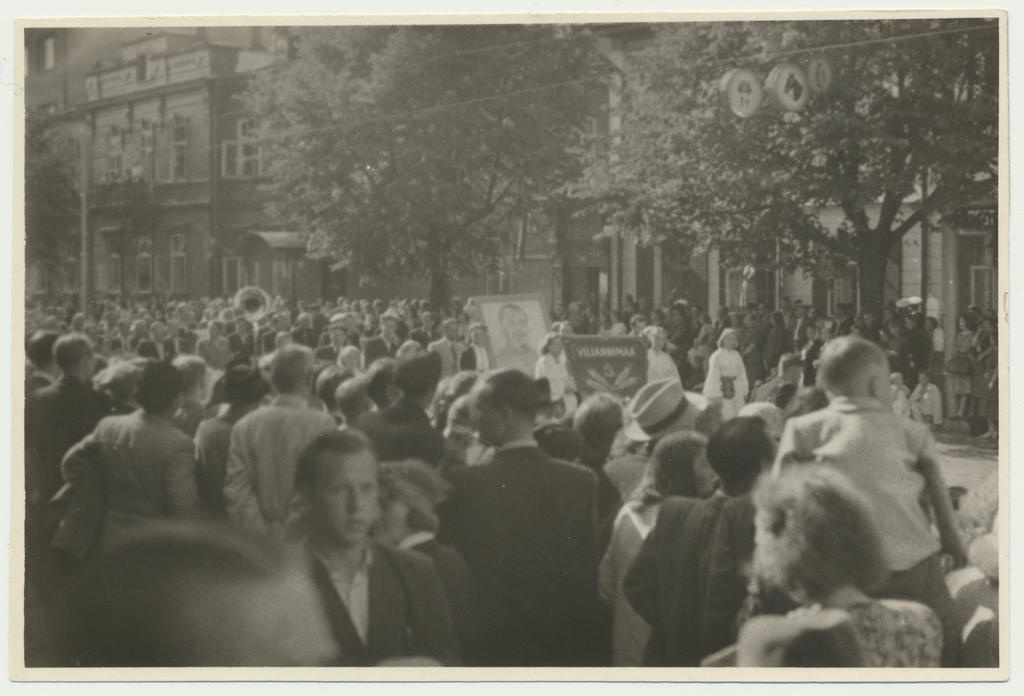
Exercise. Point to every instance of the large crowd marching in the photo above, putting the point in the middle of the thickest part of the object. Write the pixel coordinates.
(245, 481)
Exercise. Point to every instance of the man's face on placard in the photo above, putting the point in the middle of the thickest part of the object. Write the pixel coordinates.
(515, 325)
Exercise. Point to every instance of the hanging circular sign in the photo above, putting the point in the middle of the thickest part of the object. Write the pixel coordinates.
(742, 92)
(819, 75)
(787, 84)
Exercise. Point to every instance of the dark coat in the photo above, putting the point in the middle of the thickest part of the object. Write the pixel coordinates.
(57, 417)
(460, 591)
(728, 572)
(376, 348)
(526, 526)
(408, 612)
(403, 431)
(668, 583)
(467, 359)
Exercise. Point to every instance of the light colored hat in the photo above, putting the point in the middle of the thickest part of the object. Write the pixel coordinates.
(662, 407)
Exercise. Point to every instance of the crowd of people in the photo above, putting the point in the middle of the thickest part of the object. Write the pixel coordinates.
(363, 483)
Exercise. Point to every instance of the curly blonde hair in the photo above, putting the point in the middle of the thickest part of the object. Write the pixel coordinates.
(815, 533)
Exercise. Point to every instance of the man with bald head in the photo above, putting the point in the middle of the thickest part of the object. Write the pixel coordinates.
(265, 445)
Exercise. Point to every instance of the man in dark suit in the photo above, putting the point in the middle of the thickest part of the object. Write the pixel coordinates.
(526, 526)
(382, 603)
(385, 345)
(669, 583)
(56, 417)
(402, 430)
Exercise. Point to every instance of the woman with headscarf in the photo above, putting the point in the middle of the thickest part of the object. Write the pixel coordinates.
(727, 377)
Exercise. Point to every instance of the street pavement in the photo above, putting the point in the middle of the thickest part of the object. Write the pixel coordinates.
(966, 460)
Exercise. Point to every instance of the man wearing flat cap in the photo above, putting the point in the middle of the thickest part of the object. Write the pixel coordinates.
(402, 430)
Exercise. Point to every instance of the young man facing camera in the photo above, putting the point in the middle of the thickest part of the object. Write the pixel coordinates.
(382, 603)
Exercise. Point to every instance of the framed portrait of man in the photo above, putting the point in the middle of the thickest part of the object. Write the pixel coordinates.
(516, 325)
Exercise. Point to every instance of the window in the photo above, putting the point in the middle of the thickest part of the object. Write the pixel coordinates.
(147, 147)
(231, 267)
(983, 283)
(242, 157)
(115, 154)
(161, 272)
(49, 53)
(178, 245)
(113, 271)
(281, 277)
(70, 261)
(844, 289)
(179, 150)
(144, 265)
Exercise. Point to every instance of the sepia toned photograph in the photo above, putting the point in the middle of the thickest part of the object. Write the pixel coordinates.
(451, 349)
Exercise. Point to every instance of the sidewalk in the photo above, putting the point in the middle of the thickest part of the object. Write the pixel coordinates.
(966, 460)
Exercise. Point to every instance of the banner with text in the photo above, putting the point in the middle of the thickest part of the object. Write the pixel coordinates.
(615, 365)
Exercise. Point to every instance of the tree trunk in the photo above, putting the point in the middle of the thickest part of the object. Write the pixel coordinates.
(440, 284)
(871, 268)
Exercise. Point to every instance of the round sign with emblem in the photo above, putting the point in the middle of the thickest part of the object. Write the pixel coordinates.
(819, 75)
(742, 92)
(787, 84)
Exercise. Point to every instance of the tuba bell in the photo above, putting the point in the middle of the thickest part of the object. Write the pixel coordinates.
(252, 302)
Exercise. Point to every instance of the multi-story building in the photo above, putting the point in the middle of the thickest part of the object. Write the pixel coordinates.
(175, 207)
(173, 164)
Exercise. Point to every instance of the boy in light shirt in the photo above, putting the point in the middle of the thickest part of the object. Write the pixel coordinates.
(894, 461)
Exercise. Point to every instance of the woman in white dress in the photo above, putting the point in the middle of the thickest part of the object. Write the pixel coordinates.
(727, 377)
(659, 363)
(551, 364)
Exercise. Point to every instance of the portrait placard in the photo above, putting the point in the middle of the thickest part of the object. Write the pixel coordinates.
(516, 325)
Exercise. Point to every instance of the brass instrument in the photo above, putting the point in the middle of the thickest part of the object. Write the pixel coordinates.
(253, 302)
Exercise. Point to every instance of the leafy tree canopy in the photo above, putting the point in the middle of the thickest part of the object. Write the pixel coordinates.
(913, 110)
(51, 194)
(406, 150)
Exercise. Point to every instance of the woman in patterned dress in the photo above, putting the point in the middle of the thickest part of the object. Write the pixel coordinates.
(817, 542)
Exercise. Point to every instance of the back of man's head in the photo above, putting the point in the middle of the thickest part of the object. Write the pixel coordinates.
(737, 451)
(192, 369)
(70, 350)
(160, 384)
(598, 420)
(351, 398)
(380, 381)
(417, 376)
(291, 368)
(39, 348)
(847, 365)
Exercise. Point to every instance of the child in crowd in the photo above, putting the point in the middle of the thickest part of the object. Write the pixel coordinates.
(926, 402)
(894, 462)
(727, 376)
(900, 395)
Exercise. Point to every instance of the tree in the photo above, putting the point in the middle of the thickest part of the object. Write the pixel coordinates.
(408, 151)
(51, 194)
(908, 129)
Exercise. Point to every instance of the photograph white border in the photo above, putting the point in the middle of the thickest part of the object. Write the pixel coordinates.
(16, 272)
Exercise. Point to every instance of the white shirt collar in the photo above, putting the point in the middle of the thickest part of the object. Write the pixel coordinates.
(415, 539)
